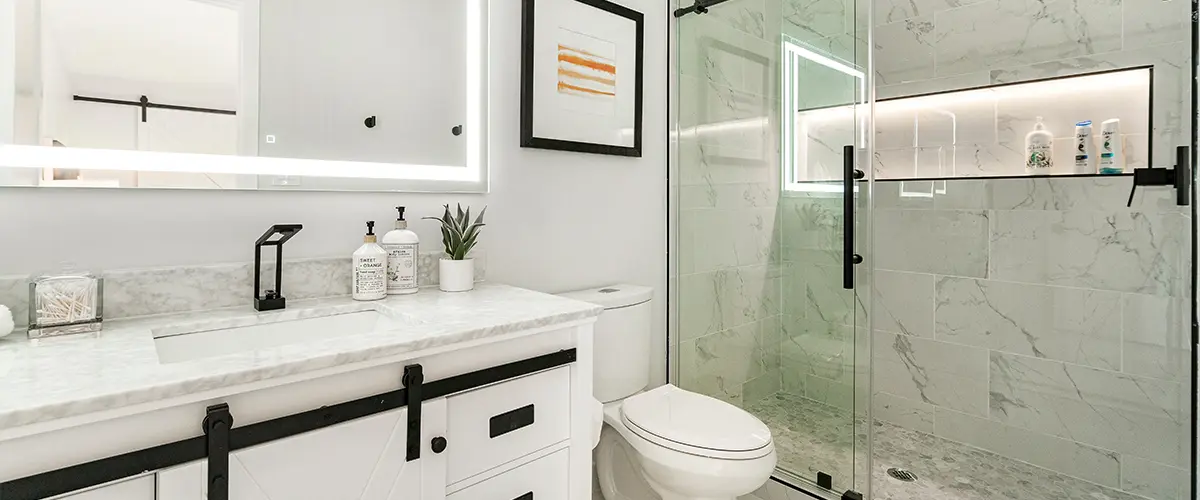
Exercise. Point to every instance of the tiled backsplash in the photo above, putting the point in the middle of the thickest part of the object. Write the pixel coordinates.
(142, 292)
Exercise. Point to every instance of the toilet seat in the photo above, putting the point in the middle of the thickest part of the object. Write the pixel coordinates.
(695, 424)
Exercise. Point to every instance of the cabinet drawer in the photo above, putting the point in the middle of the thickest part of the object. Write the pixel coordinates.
(546, 478)
(496, 424)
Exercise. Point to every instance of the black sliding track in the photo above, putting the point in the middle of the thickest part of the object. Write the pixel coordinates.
(114, 468)
(700, 7)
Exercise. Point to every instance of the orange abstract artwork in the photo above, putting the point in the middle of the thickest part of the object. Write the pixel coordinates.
(586, 74)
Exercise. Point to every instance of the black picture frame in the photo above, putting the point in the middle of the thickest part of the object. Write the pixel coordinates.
(528, 140)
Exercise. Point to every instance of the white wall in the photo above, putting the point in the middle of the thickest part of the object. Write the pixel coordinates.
(556, 221)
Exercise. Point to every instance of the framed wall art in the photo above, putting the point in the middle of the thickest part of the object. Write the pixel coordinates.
(581, 77)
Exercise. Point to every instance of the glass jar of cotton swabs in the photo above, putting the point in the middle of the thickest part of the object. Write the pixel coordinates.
(65, 303)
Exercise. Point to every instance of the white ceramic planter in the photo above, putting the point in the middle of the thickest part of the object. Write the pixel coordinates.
(456, 275)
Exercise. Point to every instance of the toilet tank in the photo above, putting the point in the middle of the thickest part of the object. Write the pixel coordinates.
(621, 361)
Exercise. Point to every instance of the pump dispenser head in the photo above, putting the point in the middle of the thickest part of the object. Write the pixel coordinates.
(400, 222)
(1040, 125)
(370, 237)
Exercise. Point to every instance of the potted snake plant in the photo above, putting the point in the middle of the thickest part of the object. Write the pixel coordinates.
(456, 269)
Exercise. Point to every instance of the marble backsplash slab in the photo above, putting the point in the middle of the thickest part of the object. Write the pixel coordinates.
(144, 292)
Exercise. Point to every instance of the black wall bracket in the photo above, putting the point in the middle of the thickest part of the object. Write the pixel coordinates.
(1180, 177)
(413, 379)
(217, 424)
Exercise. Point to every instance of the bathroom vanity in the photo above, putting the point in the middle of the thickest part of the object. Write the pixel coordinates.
(481, 395)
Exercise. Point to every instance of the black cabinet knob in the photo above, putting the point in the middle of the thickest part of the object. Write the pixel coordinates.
(438, 444)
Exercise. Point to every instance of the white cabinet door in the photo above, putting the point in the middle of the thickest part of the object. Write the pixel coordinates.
(141, 488)
(359, 460)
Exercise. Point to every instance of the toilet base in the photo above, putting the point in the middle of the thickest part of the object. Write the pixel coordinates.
(622, 475)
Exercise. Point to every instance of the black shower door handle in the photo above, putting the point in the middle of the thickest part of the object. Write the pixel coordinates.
(849, 258)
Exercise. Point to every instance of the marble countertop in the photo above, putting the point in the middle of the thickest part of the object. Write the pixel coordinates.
(76, 376)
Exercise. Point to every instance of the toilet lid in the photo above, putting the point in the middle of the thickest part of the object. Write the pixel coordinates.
(695, 420)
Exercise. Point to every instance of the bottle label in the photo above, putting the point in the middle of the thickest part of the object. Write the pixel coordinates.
(401, 266)
(1038, 157)
(369, 273)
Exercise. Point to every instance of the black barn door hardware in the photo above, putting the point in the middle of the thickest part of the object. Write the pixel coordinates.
(106, 470)
(700, 7)
(849, 258)
(1180, 177)
(413, 377)
(507, 422)
(852, 495)
(216, 425)
(144, 103)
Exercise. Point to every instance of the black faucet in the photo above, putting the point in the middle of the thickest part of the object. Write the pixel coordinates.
(272, 299)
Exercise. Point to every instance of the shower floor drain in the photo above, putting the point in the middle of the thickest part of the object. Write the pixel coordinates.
(901, 474)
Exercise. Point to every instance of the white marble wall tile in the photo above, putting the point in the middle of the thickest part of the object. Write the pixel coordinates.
(1068, 324)
(932, 85)
(904, 303)
(890, 11)
(1114, 411)
(1086, 462)
(904, 51)
(812, 229)
(938, 373)
(827, 300)
(815, 19)
(1153, 480)
(1154, 22)
(830, 392)
(747, 16)
(955, 194)
(726, 360)
(907, 413)
(1154, 343)
(818, 349)
(950, 242)
(1105, 194)
(1128, 252)
(998, 33)
(761, 387)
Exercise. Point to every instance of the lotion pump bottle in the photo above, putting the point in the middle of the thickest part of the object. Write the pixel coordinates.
(1039, 150)
(370, 268)
(401, 246)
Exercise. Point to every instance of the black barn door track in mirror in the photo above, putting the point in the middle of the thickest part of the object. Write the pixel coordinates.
(581, 76)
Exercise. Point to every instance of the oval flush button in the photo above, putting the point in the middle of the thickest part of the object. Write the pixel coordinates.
(609, 290)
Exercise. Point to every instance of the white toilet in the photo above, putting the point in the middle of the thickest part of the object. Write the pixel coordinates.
(664, 443)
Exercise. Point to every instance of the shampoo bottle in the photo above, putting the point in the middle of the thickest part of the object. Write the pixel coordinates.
(1039, 149)
(1085, 148)
(401, 247)
(1112, 160)
(370, 268)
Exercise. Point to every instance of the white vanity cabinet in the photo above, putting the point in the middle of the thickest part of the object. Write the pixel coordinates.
(362, 459)
(506, 417)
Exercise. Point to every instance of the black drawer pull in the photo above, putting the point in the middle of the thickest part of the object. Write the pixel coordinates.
(505, 423)
(527, 496)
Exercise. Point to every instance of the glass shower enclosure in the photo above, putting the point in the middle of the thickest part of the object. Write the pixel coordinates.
(860, 258)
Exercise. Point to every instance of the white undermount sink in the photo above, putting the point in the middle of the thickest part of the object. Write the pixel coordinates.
(191, 341)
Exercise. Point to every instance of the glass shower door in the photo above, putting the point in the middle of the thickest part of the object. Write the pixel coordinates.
(769, 209)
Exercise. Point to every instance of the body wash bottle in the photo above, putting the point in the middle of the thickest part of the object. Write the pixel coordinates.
(401, 246)
(370, 268)
(1085, 148)
(1039, 149)
(1112, 160)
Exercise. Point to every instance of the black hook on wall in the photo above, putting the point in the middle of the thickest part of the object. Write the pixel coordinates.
(370, 121)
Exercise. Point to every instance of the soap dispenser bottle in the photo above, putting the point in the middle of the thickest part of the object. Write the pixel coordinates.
(1039, 149)
(401, 247)
(370, 268)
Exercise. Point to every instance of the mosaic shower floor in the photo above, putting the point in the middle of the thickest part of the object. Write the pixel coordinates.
(812, 437)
